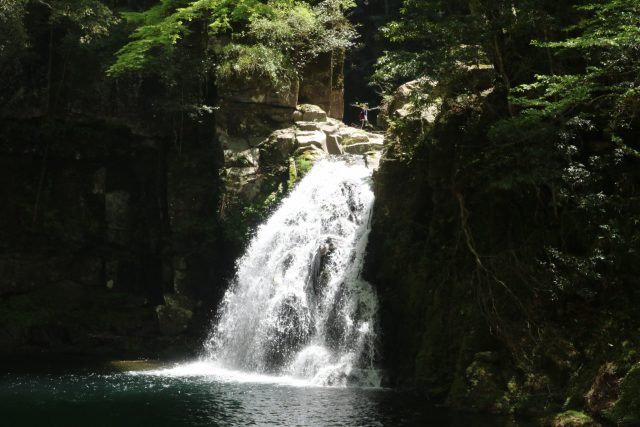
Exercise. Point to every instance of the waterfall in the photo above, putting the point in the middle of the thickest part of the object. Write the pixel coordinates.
(297, 305)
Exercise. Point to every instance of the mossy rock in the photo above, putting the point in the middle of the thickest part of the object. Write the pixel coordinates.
(572, 419)
(626, 411)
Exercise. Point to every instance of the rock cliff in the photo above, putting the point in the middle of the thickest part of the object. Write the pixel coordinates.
(481, 304)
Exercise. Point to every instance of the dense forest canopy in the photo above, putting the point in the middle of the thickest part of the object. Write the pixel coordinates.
(558, 60)
(242, 38)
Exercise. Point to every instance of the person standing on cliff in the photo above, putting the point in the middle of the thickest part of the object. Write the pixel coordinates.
(364, 116)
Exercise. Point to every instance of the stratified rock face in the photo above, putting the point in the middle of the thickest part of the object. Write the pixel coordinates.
(251, 173)
(338, 138)
(322, 84)
(251, 110)
(316, 82)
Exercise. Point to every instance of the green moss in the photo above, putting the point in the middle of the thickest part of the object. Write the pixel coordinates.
(299, 167)
(304, 163)
(293, 173)
(572, 419)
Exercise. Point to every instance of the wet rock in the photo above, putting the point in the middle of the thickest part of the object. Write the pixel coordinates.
(296, 116)
(311, 154)
(364, 377)
(331, 126)
(180, 276)
(318, 274)
(242, 183)
(234, 143)
(350, 135)
(179, 301)
(289, 333)
(336, 328)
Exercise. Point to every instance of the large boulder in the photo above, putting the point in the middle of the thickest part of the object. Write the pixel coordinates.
(364, 147)
(358, 141)
(312, 113)
(350, 135)
(403, 102)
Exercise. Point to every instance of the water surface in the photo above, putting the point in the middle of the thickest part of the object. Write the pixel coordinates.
(197, 395)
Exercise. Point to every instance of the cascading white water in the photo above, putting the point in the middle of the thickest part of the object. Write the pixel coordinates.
(298, 306)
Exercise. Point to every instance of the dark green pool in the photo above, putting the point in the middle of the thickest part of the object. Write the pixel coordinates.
(195, 396)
